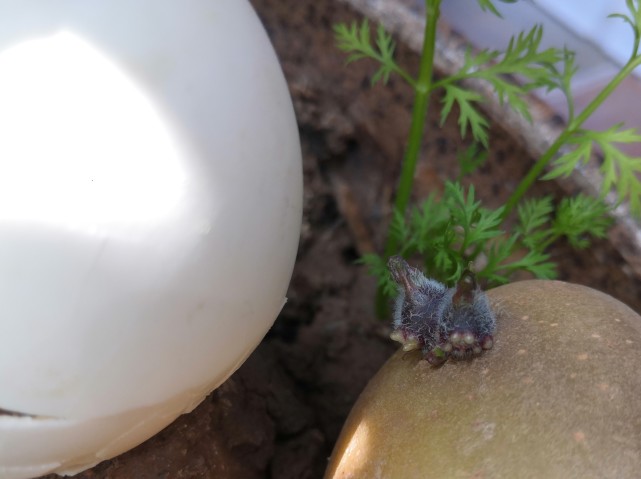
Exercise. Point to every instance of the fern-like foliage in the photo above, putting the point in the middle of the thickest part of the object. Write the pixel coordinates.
(356, 40)
(450, 232)
(488, 5)
(620, 170)
(524, 58)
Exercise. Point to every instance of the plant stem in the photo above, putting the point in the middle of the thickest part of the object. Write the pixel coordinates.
(572, 127)
(422, 90)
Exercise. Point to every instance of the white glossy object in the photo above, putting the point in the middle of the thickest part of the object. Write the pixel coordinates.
(150, 202)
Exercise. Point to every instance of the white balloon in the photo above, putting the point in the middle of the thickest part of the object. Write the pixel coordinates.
(150, 205)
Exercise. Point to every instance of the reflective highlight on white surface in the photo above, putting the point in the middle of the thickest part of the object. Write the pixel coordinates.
(150, 205)
(54, 85)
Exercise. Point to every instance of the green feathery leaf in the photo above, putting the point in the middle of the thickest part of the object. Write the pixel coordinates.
(478, 224)
(580, 217)
(562, 77)
(377, 267)
(471, 159)
(533, 215)
(536, 262)
(524, 59)
(496, 254)
(634, 20)
(357, 42)
(488, 5)
(620, 171)
(469, 117)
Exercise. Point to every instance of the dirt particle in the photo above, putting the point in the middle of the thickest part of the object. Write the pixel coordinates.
(582, 356)
(521, 352)
(596, 336)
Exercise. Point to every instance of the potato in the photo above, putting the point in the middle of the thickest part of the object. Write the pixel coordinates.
(559, 396)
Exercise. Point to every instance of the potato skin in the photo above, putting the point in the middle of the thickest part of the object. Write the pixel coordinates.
(559, 396)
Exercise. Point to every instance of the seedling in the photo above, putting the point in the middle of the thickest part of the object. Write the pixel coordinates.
(453, 230)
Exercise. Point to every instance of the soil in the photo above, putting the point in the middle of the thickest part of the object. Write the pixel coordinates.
(279, 415)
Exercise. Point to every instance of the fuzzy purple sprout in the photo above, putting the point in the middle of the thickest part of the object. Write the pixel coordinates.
(442, 322)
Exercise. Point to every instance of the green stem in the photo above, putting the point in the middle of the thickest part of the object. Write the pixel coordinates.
(422, 89)
(570, 130)
(422, 93)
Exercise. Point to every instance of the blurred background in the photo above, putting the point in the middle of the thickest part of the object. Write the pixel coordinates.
(601, 44)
